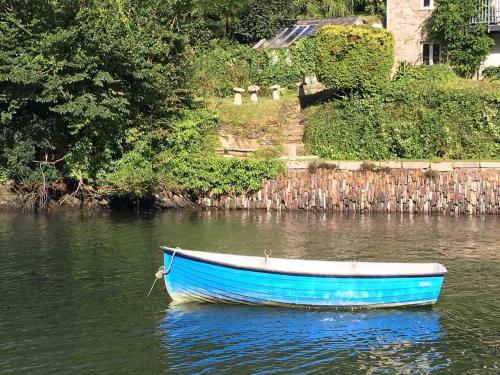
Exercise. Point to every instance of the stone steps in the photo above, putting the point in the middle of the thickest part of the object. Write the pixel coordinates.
(294, 134)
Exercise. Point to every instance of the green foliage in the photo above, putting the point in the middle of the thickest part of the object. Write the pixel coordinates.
(20, 163)
(4, 176)
(204, 173)
(186, 159)
(74, 76)
(335, 8)
(348, 129)
(424, 73)
(492, 73)
(467, 43)
(262, 19)
(354, 58)
(227, 9)
(133, 173)
(192, 131)
(415, 118)
(378, 7)
(303, 56)
(223, 66)
(189, 161)
(286, 66)
(338, 8)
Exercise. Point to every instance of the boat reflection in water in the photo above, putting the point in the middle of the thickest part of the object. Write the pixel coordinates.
(243, 339)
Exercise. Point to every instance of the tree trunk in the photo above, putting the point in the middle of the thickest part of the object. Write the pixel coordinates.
(229, 24)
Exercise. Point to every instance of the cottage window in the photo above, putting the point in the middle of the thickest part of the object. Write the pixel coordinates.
(427, 4)
(431, 53)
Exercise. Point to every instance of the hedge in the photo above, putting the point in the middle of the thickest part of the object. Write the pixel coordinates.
(409, 120)
(354, 58)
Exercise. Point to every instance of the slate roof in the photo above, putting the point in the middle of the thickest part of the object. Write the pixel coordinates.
(301, 29)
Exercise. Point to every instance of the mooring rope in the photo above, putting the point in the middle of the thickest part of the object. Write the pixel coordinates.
(171, 261)
(161, 271)
(267, 255)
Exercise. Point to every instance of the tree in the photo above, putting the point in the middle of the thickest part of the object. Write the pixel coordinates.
(227, 9)
(338, 8)
(467, 42)
(262, 19)
(76, 77)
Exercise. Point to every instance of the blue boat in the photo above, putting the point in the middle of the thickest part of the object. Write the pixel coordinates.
(195, 276)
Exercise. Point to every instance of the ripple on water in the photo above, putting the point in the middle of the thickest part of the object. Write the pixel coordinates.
(73, 296)
(219, 338)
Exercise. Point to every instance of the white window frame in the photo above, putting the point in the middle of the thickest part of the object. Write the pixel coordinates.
(431, 53)
(431, 4)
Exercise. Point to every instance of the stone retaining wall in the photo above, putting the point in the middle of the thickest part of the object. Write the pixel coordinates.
(449, 188)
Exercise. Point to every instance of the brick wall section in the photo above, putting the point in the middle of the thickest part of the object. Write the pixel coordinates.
(470, 191)
(406, 19)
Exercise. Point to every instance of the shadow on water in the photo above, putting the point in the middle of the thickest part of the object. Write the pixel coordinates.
(243, 339)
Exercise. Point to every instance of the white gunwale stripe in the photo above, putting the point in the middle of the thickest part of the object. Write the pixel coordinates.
(314, 267)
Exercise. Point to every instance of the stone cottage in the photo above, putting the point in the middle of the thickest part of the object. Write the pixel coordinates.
(406, 20)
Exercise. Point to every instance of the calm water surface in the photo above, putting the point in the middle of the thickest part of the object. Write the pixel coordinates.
(73, 296)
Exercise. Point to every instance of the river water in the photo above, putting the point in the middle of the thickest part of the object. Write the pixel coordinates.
(73, 299)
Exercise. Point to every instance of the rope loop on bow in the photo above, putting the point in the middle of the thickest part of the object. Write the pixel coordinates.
(171, 261)
(161, 273)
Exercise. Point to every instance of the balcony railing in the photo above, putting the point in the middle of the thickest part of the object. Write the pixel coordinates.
(489, 12)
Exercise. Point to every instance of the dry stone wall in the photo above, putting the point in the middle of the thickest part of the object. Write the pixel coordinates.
(450, 188)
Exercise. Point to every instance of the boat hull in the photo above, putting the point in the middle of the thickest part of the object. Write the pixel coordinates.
(194, 280)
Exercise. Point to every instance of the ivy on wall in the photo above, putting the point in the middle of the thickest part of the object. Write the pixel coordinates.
(424, 113)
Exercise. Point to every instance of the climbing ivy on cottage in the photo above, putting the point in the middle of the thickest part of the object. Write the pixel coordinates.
(456, 23)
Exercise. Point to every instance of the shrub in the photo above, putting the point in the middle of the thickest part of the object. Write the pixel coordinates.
(303, 56)
(347, 129)
(431, 174)
(368, 167)
(408, 121)
(133, 173)
(262, 19)
(492, 73)
(201, 173)
(185, 159)
(216, 71)
(286, 66)
(315, 165)
(221, 67)
(354, 58)
(424, 73)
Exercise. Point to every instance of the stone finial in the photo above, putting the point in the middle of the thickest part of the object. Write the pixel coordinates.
(253, 92)
(237, 95)
(276, 91)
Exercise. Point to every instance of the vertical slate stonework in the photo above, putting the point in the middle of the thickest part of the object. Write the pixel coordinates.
(457, 191)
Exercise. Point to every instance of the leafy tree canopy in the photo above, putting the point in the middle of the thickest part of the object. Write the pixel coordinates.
(75, 76)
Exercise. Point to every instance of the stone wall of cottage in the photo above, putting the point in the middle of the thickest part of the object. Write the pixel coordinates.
(471, 188)
(406, 20)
